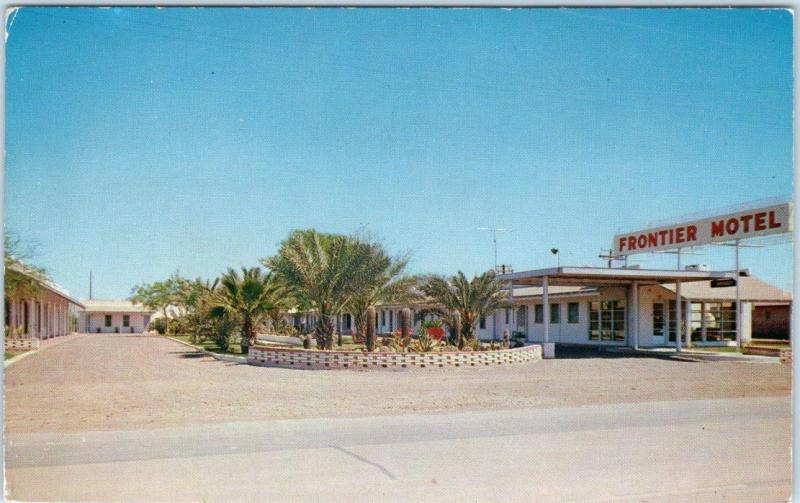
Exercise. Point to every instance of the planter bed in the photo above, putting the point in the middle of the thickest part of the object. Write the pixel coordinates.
(266, 356)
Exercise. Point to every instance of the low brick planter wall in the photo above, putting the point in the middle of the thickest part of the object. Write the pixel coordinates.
(22, 344)
(312, 359)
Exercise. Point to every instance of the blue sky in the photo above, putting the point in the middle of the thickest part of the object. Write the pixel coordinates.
(140, 140)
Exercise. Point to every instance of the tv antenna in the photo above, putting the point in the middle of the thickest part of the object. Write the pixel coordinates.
(494, 231)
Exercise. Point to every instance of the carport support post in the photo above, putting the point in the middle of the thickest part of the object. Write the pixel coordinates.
(738, 302)
(512, 326)
(545, 309)
(688, 322)
(635, 295)
(678, 319)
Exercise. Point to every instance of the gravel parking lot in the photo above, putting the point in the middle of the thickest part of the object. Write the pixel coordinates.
(107, 382)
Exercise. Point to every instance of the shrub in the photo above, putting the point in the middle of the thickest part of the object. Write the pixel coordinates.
(223, 331)
(424, 343)
(159, 325)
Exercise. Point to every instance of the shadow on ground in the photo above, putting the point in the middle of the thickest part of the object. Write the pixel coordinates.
(188, 354)
(575, 353)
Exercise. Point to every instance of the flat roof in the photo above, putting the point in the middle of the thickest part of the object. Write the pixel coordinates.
(113, 306)
(609, 275)
(46, 284)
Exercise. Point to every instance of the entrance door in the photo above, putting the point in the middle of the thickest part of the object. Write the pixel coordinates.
(659, 322)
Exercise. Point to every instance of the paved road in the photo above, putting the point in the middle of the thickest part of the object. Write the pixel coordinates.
(701, 450)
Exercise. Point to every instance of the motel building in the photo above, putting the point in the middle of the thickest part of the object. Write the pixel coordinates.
(631, 307)
(51, 313)
(113, 316)
(646, 308)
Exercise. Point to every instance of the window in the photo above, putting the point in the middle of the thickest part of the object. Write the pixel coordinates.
(573, 312)
(482, 323)
(522, 316)
(607, 321)
(126, 320)
(538, 313)
(696, 321)
(555, 313)
(672, 320)
(108, 320)
(391, 319)
(721, 321)
(383, 318)
(508, 315)
(658, 319)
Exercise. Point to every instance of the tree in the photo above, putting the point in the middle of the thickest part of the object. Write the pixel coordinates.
(160, 295)
(248, 297)
(471, 299)
(21, 280)
(381, 282)
(322, 273)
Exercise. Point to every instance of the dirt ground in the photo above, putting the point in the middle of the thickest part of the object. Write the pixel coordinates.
(104, 382)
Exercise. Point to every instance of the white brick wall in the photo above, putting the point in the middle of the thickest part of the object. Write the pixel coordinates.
(312, 359)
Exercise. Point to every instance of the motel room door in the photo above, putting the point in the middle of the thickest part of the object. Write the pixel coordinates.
(659, 323)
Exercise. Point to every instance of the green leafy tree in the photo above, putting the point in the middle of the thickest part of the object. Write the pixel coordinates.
(323, 273)
(247, 297)
(471, 299)
(21, 279)
(160, 295)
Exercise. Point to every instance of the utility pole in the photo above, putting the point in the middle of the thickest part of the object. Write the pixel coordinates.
(90, 284)
(494, 231)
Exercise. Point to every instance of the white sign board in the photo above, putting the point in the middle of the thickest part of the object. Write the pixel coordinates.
(759, 222)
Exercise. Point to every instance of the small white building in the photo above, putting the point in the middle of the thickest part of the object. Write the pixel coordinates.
(113, 316)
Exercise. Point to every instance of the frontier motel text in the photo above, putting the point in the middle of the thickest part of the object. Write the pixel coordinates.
(730, 227)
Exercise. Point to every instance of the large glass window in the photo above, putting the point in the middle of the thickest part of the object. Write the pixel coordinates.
(108, 320)
(673, 320)
(482, 323)
(696, 320)
(607, 321)
(555, 313)
(126, 320)
(573, 312)
(538, 313)
(721, 321)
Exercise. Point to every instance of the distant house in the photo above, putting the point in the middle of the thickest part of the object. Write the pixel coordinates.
(50, 312)
(113, 316)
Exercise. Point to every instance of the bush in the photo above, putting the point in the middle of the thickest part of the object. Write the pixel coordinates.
(424, 343)
(159, 325)
(223, 332)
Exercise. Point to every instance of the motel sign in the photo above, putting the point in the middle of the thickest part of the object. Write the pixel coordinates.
(759, 222)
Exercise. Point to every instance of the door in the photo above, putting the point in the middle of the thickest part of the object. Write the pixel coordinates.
(659, 323)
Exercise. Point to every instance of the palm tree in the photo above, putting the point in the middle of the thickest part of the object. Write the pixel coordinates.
(323, 273)
(471, 299)
(247, 297)
(382, 282)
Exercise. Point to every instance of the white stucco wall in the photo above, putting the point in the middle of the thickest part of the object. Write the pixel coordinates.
(91, 322)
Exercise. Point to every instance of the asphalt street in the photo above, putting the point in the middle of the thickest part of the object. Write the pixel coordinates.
(695, 450)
